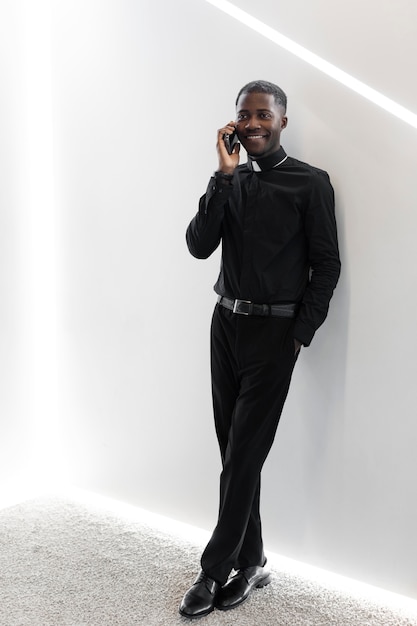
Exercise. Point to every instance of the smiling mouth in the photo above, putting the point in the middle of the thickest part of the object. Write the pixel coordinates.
(255, 136)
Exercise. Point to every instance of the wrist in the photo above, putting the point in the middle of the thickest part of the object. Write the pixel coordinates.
(223, 177)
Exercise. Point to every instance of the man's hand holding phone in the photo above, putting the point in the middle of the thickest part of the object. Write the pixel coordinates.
(228, 148)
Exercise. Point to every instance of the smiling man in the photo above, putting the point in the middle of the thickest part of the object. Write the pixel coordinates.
(274, 216)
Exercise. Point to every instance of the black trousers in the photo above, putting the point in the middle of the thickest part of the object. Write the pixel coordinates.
(252, 359)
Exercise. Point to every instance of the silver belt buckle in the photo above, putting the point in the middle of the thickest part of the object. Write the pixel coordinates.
(236, 304)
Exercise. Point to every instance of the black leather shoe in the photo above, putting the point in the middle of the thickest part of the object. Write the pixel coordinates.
(199, 599)
(239, 586)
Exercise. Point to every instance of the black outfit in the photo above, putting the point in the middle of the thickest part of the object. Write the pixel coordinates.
(275, 219)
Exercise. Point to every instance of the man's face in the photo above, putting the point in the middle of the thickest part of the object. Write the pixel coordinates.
(259, 122)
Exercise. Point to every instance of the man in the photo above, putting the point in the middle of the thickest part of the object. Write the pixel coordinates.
(280, 264)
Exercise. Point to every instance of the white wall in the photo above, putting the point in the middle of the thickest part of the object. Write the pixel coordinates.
(15, 390)
(139, 90)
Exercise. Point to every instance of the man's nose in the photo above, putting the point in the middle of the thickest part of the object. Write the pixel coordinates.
(252, 122)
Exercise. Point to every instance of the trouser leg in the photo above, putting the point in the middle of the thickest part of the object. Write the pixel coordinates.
(225, 389)
(252, 362)
(252, 551)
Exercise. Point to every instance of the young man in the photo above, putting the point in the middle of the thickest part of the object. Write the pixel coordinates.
(280, 264)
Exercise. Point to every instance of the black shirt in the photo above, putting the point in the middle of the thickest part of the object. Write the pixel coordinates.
(276, 221)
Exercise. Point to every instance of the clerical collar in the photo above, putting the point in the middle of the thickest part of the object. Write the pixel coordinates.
(268, 162)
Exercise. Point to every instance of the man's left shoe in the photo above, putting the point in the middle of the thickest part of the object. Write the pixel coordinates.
(239, 586)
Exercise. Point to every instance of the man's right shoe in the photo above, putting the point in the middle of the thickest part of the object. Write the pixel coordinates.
(200, 598)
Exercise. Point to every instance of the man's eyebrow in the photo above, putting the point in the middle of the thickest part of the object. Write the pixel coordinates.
(257, 110)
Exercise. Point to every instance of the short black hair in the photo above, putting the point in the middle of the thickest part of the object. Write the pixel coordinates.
(263, 86)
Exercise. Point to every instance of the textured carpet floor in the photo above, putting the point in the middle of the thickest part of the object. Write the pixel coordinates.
(63, 563)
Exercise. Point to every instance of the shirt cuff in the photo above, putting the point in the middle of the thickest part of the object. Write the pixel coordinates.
(303, 332)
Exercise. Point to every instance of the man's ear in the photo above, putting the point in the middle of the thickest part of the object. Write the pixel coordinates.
(284, 122)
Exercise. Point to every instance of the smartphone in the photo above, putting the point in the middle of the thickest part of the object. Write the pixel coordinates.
(230, 141)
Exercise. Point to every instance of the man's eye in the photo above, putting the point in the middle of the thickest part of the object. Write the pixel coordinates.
(265, 115)
(241, 117)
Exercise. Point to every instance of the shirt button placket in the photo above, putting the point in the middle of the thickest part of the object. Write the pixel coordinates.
(248, 237)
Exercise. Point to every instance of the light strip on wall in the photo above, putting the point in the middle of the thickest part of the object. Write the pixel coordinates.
(319, 63)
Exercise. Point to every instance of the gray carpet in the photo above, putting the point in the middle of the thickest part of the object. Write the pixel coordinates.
(72, 564)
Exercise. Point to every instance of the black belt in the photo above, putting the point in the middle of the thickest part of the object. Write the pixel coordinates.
(245, 307)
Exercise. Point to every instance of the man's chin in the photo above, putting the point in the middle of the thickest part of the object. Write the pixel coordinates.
(257, 154)
(255, 148)
(255, 151)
